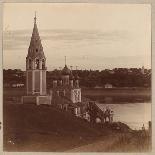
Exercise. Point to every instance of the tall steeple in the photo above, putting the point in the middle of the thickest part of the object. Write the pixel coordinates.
(36, 71)
(35, 47)
(36, 64)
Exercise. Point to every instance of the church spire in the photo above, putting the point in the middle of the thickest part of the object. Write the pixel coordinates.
(35, 32)
(35, 18)
(65, 61)
(35, 48)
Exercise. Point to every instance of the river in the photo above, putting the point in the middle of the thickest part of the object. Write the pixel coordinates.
(132, 114)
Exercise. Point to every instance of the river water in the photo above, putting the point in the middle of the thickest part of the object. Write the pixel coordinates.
(132, 114)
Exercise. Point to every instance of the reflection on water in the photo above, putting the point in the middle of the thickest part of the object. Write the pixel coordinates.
(133, 114)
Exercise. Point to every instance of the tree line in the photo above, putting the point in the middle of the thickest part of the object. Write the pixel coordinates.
(117, 77)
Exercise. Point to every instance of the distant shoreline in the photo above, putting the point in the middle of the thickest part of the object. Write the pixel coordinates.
(118, 95)
(148, 102)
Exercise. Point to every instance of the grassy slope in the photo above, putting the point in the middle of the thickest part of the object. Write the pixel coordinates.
(41, 128)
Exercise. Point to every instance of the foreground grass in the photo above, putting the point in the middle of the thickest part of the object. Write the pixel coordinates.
(137, 141)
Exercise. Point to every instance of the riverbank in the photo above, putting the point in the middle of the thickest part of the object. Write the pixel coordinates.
(44, 128)
(132, 114)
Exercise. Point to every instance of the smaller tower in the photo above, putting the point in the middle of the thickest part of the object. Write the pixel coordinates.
(65, 75)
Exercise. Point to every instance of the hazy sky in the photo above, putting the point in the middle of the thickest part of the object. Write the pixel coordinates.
(92, 36)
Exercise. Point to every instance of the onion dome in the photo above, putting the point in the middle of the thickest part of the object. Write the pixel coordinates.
(66, 71)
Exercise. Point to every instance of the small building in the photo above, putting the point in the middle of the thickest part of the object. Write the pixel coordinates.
(18, 85)
(98, 87)
(108, 85)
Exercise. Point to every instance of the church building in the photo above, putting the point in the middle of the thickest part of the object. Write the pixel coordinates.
(65, 84)
(66, 92)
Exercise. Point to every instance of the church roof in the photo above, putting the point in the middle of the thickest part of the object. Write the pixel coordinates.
(35, 48)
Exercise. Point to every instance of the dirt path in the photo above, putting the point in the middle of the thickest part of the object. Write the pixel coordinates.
(100, 146)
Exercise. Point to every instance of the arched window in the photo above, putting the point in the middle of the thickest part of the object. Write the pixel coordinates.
(43, 64)
(37, 64)
(30, 63)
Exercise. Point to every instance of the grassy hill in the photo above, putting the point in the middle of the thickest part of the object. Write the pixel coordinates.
(44, 128)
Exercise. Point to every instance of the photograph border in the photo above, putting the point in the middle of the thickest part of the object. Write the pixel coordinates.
(151, 2)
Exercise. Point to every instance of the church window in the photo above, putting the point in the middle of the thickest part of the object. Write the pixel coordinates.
(37, 64)
(43, 64)
(30, 63)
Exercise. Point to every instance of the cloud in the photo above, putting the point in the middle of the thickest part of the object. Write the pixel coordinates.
(86, 48)
(19, 39)
(15, 40)
(100, 62)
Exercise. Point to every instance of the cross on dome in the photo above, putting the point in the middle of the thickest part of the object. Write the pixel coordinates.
(35, 17)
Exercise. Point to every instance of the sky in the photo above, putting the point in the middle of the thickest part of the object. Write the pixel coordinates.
(91, 35)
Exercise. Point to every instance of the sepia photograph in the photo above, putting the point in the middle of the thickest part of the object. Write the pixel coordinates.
(77, 77)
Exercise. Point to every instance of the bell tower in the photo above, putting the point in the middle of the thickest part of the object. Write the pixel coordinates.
(35, 65)
(36, 72)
